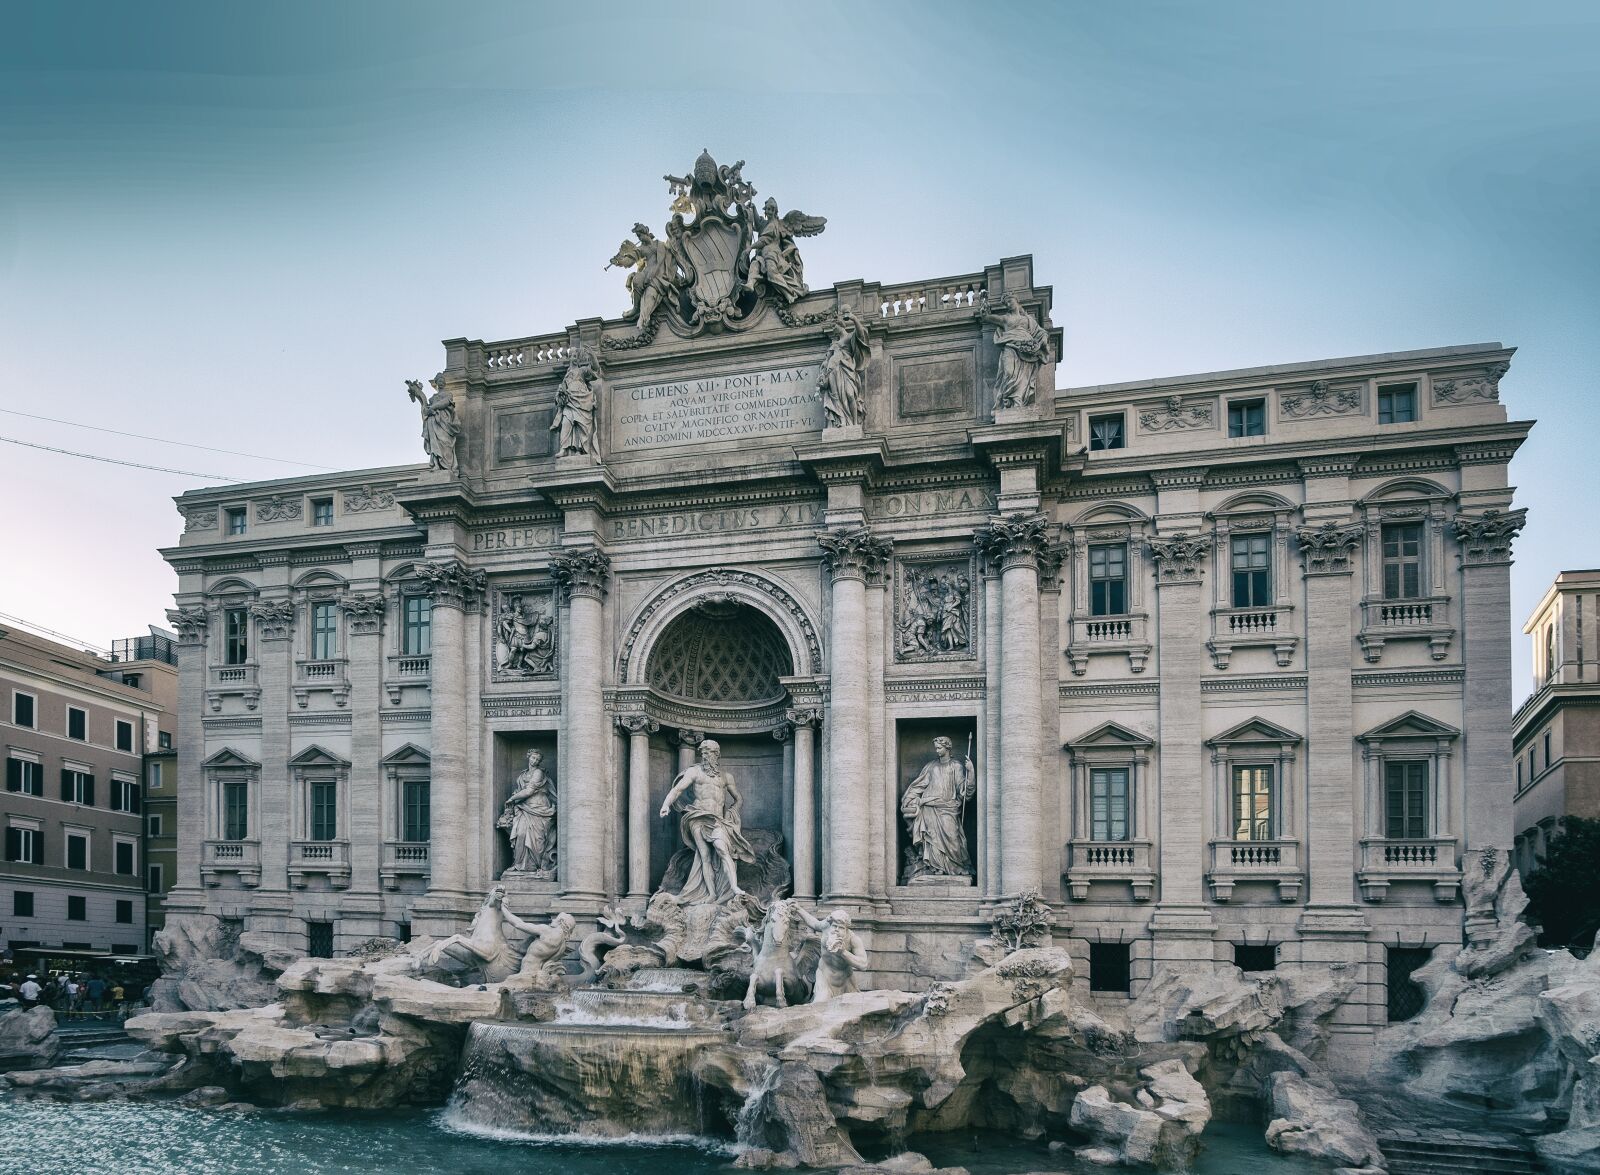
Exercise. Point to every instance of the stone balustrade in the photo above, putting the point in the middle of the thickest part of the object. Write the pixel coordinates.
(1426, 859)
(324, 858)
(1127, 861)
(1424, 618)
(240, 858)
(403, 858)
(1274, 861)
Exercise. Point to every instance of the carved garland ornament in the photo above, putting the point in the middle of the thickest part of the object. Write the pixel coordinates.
(1328, 549)
(854, 553)
(198, 519)
(1176, 414)
(1014, 540)
(1180, 557)
(1486, 538)
(581, 571)
(451, 583)
(721, 577)
(279, 508)
(1320, 400)
(364, 612)
(1471, 389)
(368, 497)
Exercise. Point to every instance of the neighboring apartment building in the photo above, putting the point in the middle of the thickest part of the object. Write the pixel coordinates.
(1556, 732)
(150, 663)
(74, 730)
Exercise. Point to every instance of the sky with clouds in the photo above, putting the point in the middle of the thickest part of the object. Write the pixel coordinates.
(243, 226)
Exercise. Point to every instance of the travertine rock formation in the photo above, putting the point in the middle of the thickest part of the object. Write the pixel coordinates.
(27, 1037)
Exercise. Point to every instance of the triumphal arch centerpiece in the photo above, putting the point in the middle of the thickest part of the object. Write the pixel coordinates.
(768, 587)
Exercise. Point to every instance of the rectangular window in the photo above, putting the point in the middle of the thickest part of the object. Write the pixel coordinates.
(1397, 403)
(1109, 968)
(238, 520)
(1108, 803)
(154, 776)
(319, 940)
(235, 810)
(415, 820)
(1252, 803)
(77, 851)
(24, 845)
(77, 787)
(321, 511)
(1251, 556)
(124, 735)
(25, 776)
(1255, 958)
(1548, 758)
(163, 740)
(1247, 418)
(153, 826)
(1402, 561)
(324, 809)
(124, 795)
(77, 724)
(21, 904)
(417, 629)
(22, 709)
(1107, 432)
(123, 853)
(236, 636)
(1405, 786)
(124, 911)
(153, 878)
(77, 908)
(1108, 579)
(324, 632)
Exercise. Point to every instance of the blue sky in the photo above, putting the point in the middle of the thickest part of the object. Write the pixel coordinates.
(245, 226)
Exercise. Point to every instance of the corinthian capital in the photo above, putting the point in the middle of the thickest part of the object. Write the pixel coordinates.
(453, 584)
(854, 552)
(1486, 538)
(637, 724)
(1327, 549)
(364, 611)
(1015, 540)
(274, 619)
(581, 571)
(191, 624)
(1180, 558)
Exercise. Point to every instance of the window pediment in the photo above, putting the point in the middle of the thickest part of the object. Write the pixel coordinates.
(1253, 732)
(409, 755)
(315, 756)
(1411, 724)
(230, 759)
(1110, 736)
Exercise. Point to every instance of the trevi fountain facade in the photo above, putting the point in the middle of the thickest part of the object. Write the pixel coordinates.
(790, 697)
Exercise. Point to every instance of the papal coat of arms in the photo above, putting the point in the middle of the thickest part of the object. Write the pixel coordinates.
(713, 270)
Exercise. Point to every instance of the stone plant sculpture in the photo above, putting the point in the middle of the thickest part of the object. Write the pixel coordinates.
(440, 429)
(529, 820)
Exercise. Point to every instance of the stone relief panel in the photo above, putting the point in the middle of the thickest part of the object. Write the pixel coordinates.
(523, 433)
(525, 640)
(1320, 399)
(279, 508)
(1472, 389)
(1177, 414)
(934, 386)
(933, 609)
(368, 497)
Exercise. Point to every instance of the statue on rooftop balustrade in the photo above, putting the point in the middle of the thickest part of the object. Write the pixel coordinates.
(656, 272)
(776, 257)
(1024, 349)
(440, 429)
(577, 399)
(839, 378)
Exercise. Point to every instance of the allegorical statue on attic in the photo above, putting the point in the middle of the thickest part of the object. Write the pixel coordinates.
(840, 376)
(440, 429)
(577, 399)
(934, 808)
(709, 801)
(1024, 349)
(721, 255)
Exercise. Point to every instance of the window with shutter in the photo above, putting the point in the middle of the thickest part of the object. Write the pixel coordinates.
(13, 774)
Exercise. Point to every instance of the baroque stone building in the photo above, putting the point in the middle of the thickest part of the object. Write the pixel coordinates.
(1229, 653)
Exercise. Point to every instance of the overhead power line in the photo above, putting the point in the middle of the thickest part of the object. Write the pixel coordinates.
(165, 440)
(119, 461)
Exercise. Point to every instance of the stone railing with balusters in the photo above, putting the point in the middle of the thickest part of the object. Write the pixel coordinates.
(1235, 628)
(959, 294)
(403, 858)
(1424, 618)
(230, 858)
(513, 355)
(406, 670)
(1235, 861)
(323, 858)
(311, 676)
(1108, 634)
(1429, 859)
(1110, 860)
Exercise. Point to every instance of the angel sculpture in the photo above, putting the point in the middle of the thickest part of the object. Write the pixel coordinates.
(655, 276)
(839, 378)
(439, 427)
(576, 401)
(776, 257)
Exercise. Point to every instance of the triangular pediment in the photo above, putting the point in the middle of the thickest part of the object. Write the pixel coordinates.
(315, 756)
(228, 757)
(1256, 731)
(409, 755)
(1411, 724)
(1110, 735)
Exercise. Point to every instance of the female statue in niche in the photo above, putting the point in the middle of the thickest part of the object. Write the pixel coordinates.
(933, 807)
(529, 818)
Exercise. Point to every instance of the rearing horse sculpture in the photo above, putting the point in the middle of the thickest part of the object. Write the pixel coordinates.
(779, 947)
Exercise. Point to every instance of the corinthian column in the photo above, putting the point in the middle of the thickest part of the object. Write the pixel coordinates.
(1015, 543)
(456, 590)
(192, 624)
(803, 722)
(850, 554)
(638, 730)
(583, 573)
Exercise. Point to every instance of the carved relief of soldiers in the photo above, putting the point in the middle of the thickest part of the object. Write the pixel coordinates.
(440, 429)
(525, 639)
(1024, 348)
(933, 615)
(934, 809)
(840, 376)
(529, 821)
(576, 402)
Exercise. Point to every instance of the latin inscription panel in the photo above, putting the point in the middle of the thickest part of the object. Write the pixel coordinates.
(742, 408)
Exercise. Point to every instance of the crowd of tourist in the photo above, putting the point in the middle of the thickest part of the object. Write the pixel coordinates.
(70, 993)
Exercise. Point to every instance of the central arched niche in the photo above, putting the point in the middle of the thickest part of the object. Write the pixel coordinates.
(718, 668)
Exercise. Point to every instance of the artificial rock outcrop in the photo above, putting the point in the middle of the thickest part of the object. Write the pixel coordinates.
(27, 1037)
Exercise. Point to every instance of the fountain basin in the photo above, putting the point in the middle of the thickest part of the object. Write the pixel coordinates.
(605, 1080)
(666, 1010)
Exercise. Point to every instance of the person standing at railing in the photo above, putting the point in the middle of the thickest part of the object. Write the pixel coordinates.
(74, 993)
